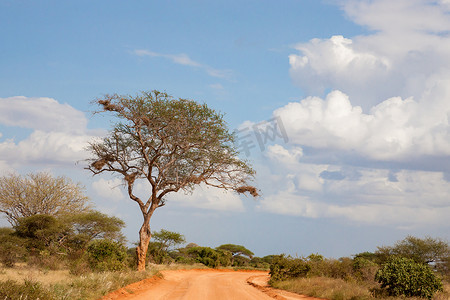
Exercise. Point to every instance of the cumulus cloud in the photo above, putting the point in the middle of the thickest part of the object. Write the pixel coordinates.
(374, 149)
(59, 134)
(363, 195)
(407, 51)
(395, 129)
(335, 62)
(288, 157)
(45, 114)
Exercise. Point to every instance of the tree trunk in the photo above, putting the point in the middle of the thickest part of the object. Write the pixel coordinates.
(141, 249)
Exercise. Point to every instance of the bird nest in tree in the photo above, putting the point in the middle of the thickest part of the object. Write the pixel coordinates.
(107, 105)
(130, 178)
(99, 164)
(248, 189)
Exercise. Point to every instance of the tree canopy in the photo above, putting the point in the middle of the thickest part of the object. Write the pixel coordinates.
(96, 225)
(236, 250)
(426, 250)
(173, 145)
(40, 193)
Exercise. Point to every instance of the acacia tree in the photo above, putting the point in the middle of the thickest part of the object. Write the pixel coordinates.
(40, 193)
(173, 144)
(164, 241)
(236, 251)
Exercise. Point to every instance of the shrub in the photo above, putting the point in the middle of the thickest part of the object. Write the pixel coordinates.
(283, 268)
(364, 269)
(11, 247)
(333, 268)
(403, 276)
(106, 255)
(205, 255)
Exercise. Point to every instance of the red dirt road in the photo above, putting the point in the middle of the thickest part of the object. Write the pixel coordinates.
(204, 284)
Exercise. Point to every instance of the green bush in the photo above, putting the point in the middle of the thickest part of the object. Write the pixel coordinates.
(11, 290)
(403, 276)
(11, 247)
(106, 255)
(206, 255)
(283, 268)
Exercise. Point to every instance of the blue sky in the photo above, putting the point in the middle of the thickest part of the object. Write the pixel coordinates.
(361, 90)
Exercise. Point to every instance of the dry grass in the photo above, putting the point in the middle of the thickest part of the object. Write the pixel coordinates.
(23, 272)
(62, 285)
(338, 289)
(323, 287)
(95, 285)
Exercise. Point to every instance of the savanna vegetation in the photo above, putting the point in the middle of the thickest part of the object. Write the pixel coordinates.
(59, 247)
(53, 254)
(413, 268)
(84, 256)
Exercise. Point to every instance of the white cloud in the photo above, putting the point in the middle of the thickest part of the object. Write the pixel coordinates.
(5, 168)
(185, 60)
(406, 53)
(388, 109)
(46, 147)
(288, 157)
(335, 63)
(109, 189)
(45, 114)
(362, 195)
(395, 129)
(59, 135)
(421, 16)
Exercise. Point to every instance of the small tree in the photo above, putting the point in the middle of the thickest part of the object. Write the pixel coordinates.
(164, 241)
(88, 226)
(106, 255)
(403, 276)
(208, 256)
(42, 232)
(96, 225)
(433, 251)
(39, 193)
(236, 252)
(174, 145)
(68, 234)
(283, 268)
